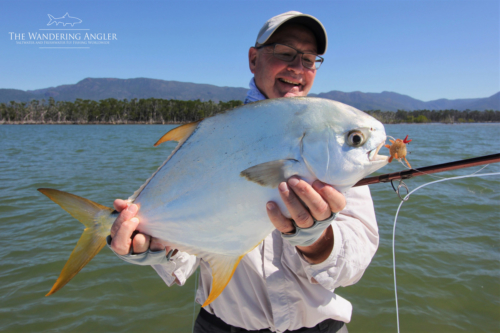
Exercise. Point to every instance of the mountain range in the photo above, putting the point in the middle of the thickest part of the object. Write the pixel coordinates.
(103, 88)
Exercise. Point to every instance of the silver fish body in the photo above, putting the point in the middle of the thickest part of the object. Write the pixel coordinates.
(200, 202)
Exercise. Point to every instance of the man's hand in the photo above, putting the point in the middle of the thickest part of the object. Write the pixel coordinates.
(124, 227)
(320, 201)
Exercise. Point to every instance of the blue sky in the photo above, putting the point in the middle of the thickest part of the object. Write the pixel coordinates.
(427, 49)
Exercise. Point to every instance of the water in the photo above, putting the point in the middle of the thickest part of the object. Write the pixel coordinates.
(447, 239)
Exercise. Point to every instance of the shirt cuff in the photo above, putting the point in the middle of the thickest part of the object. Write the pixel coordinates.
(178, 269)
(318, 272)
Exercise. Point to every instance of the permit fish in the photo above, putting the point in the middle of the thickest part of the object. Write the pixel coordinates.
(209, 197)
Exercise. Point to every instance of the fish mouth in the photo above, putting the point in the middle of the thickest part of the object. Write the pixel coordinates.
(373, 155)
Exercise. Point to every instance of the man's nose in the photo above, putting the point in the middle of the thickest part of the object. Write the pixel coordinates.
(296, 64)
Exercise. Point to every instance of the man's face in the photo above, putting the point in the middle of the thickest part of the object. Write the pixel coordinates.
(277, 78)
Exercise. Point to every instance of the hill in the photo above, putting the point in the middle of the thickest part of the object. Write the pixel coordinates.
(103, 88)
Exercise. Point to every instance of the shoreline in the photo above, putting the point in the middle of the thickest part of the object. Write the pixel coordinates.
(91, 123)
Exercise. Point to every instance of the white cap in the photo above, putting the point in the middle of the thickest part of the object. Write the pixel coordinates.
(296, 17)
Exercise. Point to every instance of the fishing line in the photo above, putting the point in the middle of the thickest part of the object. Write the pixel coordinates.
(407, 167)
(479, 169)
(396, 218)
(425, 173)
(430, 175)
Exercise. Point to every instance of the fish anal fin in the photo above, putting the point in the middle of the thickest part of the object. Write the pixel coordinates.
(270, 174)
(223, 268)
(179, 134)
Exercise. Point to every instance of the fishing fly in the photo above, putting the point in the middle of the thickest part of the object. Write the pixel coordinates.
(397, 149)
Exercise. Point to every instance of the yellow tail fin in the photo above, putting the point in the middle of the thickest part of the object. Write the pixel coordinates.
(96, 218)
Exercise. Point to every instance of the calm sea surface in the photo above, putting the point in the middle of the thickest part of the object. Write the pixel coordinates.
(447, 242)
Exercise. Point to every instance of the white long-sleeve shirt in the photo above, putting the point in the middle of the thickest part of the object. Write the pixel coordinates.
(275, 287)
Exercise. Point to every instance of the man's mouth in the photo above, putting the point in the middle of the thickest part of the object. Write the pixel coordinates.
(289, 82)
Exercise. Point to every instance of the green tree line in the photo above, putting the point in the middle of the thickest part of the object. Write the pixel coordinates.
(161, 111)
(436, 116)
(111, 111)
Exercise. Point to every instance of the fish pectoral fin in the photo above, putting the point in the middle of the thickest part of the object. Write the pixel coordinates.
(270, 174)
(223, 268)
(179, 134)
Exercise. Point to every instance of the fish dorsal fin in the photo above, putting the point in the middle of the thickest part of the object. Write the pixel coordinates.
(270, 174)
(179, 134)
(223, 268)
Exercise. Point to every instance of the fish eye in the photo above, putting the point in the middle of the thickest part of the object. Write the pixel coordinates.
(355, 138)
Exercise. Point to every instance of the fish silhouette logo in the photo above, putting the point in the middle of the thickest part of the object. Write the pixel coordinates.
(66, 19)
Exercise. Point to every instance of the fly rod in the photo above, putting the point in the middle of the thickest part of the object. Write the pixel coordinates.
(407, 174)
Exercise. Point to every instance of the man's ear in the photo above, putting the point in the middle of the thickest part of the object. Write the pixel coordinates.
(252, 59)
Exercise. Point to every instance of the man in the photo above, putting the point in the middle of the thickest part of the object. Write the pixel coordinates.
(282, 285)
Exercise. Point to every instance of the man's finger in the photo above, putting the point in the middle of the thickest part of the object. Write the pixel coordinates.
(156, 244)
(140, 243)
(120, 205)
(299, 213)
(334, 198)
(122, 241)
(125, 215)
(279, 221)
(317, 205)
